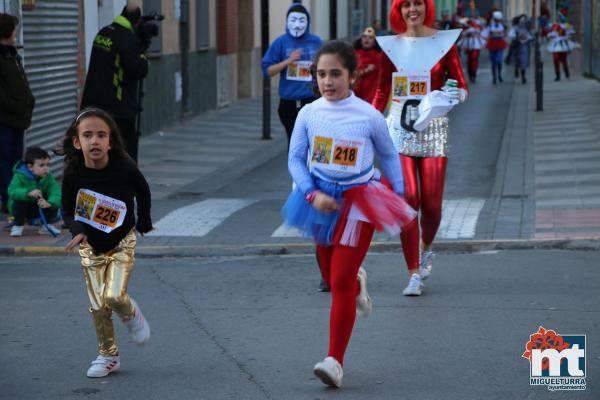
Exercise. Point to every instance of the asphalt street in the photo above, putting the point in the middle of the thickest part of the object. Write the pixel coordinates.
(252, 328)
(234, 319)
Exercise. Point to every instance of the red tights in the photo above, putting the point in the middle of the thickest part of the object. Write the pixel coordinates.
(560, 58)
(472, 61)
(339, 267)
(424, 179)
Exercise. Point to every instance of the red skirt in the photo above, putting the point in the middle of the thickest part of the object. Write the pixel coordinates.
(496, 44)
(373, 203)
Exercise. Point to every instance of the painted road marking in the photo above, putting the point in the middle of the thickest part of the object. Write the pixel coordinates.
(459, 218)
(200, 218)
(286, 231)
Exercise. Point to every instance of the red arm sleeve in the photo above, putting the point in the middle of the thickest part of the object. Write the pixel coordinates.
(382, 94)
(454, 68)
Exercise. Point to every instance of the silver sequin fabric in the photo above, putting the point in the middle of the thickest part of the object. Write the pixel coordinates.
(431, 142)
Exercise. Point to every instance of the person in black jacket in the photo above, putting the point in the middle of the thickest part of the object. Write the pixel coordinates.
(117, 64)
(16, 104)
(101, 187)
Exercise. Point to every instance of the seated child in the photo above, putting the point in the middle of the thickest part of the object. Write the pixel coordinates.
(31, 188)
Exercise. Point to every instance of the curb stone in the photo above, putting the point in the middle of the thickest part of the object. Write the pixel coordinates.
(466, 246)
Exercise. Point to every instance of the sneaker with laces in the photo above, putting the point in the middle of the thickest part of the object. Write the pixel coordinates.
(103, 365)
(51, 230)
(426, 264)
(16, 231)
(364, 305)
(329, 371)
(414, 286)
(138, 326)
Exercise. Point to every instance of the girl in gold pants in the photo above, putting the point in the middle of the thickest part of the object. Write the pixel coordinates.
(100, 185)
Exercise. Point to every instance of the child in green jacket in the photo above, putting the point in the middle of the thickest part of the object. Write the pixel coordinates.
(32, 188)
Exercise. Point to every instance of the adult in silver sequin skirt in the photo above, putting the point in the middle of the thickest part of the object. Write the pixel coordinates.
(431, 142)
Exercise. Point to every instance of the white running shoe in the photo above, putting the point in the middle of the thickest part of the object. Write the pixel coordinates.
(329, 371)
(16, 231)
(364, 305)
(52, 230)
(426, 264)
(138, 326)
(414, 286)
(103, 365)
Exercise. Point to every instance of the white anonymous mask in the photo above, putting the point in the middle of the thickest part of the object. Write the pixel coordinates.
(297, 23)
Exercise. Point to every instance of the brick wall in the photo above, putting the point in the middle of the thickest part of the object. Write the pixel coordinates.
(246, 25)
(227, 29)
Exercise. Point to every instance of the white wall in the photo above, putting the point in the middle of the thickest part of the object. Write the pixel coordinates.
(517, 7)
(277, 12)
(90, 15)
(212, 12)
(257, 24)
(343, 18)
(95, 18)
(320, 18)
(109, 10)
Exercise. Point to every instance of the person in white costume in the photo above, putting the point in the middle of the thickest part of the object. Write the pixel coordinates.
(494, 34)
(472, 42)
(561, 45)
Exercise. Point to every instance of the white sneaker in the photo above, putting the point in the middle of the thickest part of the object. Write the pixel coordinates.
(426, 264)
(364, 305)
(103, 365)
(16, 231)
(414, 286)
(329, 371)
(52, 230)
(137, 326)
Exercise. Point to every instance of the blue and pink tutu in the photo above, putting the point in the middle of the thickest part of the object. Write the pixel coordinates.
(372, 202)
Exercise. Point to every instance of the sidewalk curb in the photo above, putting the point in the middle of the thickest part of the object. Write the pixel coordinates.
(465, 246)
(33, 250)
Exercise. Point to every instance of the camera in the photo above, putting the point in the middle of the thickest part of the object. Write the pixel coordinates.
(146, 29)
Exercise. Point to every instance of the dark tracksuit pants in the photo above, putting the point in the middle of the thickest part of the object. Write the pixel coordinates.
(288, 112)
(129, 135)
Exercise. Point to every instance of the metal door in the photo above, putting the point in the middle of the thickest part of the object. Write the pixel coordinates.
(50, 39)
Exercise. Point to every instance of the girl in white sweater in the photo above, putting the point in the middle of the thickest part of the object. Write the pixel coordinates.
(340, 198)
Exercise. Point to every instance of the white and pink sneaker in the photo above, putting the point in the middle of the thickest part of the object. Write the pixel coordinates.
(103, 365)
(138, 326)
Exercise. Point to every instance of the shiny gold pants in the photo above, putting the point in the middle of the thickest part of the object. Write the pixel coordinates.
(107, 277)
